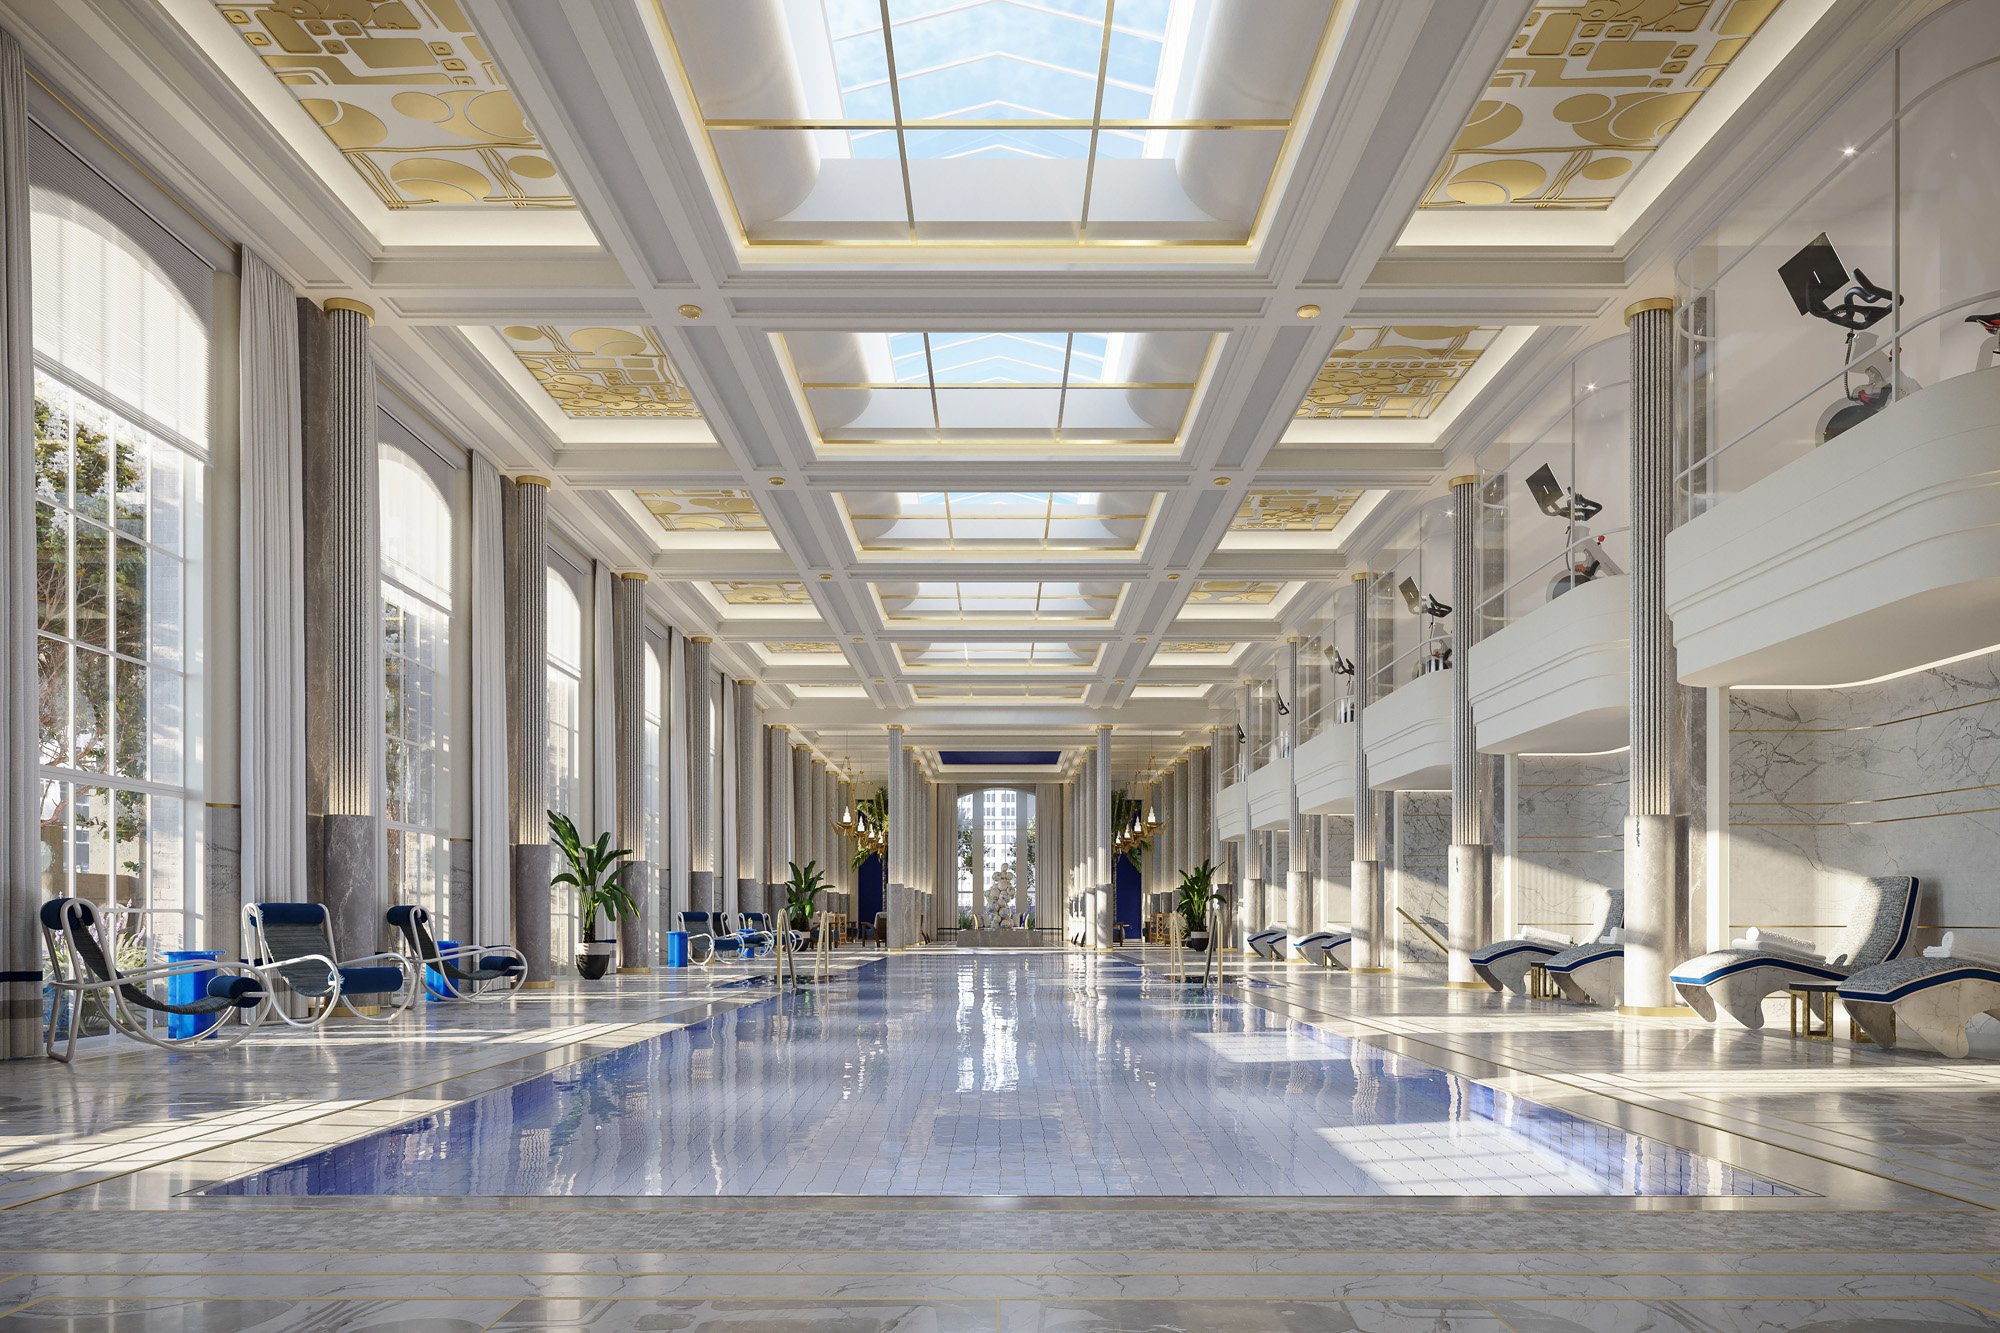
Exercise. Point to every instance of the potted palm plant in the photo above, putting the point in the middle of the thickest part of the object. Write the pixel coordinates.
(802, 891)
(1195, 900)
(594, 872)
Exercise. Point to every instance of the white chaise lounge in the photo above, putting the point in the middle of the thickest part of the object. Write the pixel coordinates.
(1734, 981)
(1933, 997)
(1505, 964)
(1592, 973)
(1327, 948)
(1269, 942)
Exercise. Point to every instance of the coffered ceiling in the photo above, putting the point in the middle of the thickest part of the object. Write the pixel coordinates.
(997, 368)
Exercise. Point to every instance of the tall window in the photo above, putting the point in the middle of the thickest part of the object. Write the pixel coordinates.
(416, 630)
(565, 740)
(121, 347)
(655, 848)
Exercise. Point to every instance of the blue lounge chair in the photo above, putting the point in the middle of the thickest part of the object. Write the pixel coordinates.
(1933, 997)
(709, 937)
(83, 961)
(464, 971)
(1505, 964)
(1734, 981)
(291, 946)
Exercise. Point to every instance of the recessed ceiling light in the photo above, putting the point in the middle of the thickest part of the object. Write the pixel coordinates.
(880, 681)
(1847, 151)
(857, 638)
(690, 312)
(1142, 638)
(1308, 311)
(825, 577)
(1222, 481)
(1173, 578)
(777, 481)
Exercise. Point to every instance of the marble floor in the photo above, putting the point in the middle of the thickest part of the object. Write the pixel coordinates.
(1893, 1160)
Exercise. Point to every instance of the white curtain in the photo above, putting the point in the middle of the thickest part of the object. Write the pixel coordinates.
(674, 781)
(271, 648)
(20, 708)
(603, 706)
(492, 897)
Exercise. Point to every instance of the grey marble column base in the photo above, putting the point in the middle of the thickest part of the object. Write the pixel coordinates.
(1468, 909)
(1656, 908)
(701, 891)
(635, 937)
(532, 862)
(750, 896)
(1366, 912)
(354, 896)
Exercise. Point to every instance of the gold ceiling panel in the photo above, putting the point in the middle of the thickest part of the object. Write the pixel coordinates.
(1394, 372)
(602, 372)
(699, 509)
(806, 647)
(1588, 90)
(1293, 509)
(770, 592)
(1207, 646)
(1235, 592)
(406, 91)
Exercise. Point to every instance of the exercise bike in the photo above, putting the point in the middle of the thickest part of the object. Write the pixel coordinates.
(1813, 277)
(1586, 557)
(1437, 648)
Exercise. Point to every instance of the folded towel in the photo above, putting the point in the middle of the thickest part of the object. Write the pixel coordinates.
(1540, 936)
(1789, 946)
(1952, 949)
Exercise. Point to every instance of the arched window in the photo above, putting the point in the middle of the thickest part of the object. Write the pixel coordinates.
(565, 699)
(653, 739)
(122, 371)
(416, 634)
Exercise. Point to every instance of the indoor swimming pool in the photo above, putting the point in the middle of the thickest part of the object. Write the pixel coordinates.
(981, 1075)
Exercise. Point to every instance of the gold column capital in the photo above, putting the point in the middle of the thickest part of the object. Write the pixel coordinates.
(700, 638)
(633, 577)
(1456, 482)
(1359, 576)
(530, 479)
(333, 303)
(1650, 303)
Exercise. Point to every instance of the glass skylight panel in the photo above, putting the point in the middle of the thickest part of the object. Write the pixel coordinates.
(978, 121)
(999, 602)
(1022, 656)
(999, 521)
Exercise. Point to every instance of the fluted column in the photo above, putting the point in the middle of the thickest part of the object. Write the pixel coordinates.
(896, 896)
(1104, 913)
(628, 652)
(1298, 865)
(525, 528)
(1367, 908)
(702, 776)
(343, 623)
(749, 781)
(1469, 909)
(799, 800)
(1656, 830)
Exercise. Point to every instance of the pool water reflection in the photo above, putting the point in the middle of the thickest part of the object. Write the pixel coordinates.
(1001, 1074)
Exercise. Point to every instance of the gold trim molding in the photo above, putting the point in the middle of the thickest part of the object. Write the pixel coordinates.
(333, 303)
(1650, 303)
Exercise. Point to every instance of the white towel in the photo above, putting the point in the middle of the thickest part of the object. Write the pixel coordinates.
(1540, 936)
(1953, 950)
(1789, 946)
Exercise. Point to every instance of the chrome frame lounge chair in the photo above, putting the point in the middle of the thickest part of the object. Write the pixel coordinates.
(1504, 965)
(1325, 946)
(754, 929)
(292, 944)
(1734, 981)
(1935, 998)
(447, 967)
(1269, 942)
(83, 961)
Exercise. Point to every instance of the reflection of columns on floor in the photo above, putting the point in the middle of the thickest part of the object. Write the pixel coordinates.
(898, 901)
(1298, 865)
(1254, 915)
(749, 783)
(701, 774)
(628, 654)
(525, 528)
(1367, 908)
(343, 623)
(1656, 863)
(1469, 909)
(780, 827)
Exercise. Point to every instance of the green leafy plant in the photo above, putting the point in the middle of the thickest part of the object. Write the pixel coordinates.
(594, 873)
(802, 891)
(1197, 894)
(965, 921)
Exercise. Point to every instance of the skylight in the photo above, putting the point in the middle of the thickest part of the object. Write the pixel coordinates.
(955, 122)
(999, 602)
(964, 522)
(998, 656)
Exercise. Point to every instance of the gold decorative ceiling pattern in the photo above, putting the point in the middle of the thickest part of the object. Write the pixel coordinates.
(1395, 372)
(802, 647)
(1293, 509)
(406, 91)
(1236, 592)
(1210, 646)
(770, 592)
(713, 509)
(1589, 89)
(602, 372)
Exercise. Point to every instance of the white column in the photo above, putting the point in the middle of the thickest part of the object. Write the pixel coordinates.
(1298, 864)
(1469, 910)
(1367, 908)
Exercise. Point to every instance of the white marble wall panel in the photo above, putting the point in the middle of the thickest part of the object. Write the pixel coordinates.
(1422, 843)
(1570, 847)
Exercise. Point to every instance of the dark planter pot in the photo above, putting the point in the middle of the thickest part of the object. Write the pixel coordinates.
(595, 960)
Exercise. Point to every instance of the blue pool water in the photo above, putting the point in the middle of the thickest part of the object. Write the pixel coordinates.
(1001, 1074)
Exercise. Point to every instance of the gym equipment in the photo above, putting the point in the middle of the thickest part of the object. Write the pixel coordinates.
(1815, 275)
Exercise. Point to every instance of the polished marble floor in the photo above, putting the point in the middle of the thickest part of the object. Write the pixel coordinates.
(981, 1074)
(103, 1225)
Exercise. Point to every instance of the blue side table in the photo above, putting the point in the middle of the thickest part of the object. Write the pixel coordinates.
(677, 948)
(435, 982)
(187, 988)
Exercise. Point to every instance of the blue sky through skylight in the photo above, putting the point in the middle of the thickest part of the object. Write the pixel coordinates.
(999, 358)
